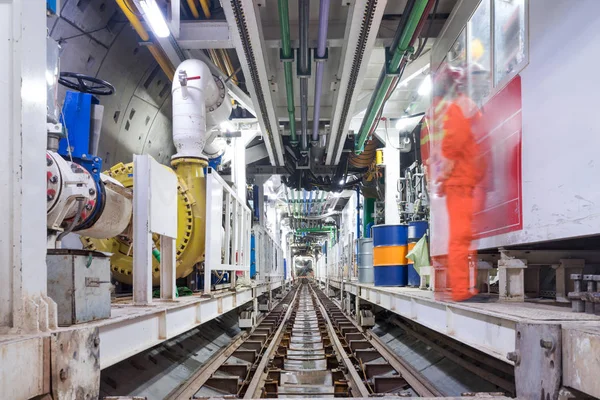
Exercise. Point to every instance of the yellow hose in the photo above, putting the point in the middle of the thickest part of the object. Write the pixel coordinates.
(193, 8)
(162, 60)
(127, 7)
(205, 8)
(229, 66)
(133, 19)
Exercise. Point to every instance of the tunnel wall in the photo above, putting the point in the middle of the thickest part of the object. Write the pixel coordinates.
(97, 40)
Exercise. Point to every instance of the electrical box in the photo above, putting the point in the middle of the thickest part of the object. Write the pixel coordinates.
(79, 283)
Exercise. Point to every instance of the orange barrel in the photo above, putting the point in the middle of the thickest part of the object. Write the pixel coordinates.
(416, 230)
(390, 247)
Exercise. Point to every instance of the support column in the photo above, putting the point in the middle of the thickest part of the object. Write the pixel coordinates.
(239, 167)
(23, 277)
(168, 289)
(357, 304)
(511, 273)
(142, 244)
(392, 175)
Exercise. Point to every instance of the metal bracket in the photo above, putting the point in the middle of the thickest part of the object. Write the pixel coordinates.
(388, 71)
(300, 74)
(538, 367)
(94, 282)
(286, 59)
(321, 59)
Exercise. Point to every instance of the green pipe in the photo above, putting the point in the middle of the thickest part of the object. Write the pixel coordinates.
(400, 51)
(368, 210)
(156, 254)
(287, 56)
(323, 229)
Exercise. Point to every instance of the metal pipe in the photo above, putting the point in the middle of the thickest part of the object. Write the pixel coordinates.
(162, 60)
(409, 32)
(192, 5)
(205, 7)
(304, 68)
(321, 48)
(304, 113)
(286, 54)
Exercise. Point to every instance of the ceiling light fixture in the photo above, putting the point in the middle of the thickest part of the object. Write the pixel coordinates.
(155, 18)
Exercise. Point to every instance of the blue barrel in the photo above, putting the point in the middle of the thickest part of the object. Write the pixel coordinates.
(390, 245)
(416, 230)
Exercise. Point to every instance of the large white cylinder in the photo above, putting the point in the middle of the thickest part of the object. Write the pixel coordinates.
(200, 94)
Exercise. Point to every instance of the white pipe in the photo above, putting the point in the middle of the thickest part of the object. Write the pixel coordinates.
(199, 103)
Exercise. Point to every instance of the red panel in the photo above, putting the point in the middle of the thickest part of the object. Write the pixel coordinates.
(499, 201)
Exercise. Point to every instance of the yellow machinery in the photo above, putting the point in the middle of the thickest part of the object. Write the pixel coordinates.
(191, 219)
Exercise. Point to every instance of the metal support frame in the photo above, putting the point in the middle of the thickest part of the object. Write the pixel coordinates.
(511, 272)
(344, 99)
(175, 20)
(24, 304)
(269, 255)
(232, 253)
(154, 213)
(244, 19)
(538, 360)
(205, 35)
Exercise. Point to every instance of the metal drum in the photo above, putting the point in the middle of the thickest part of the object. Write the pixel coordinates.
(416, 230)
(365, 260)
(389, 255)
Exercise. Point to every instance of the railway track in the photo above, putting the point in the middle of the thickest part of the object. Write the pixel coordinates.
(305, 347)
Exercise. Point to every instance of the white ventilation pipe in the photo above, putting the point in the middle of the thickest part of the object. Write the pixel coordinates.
(200, 103)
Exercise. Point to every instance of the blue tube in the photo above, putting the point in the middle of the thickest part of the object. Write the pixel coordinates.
(368, 232)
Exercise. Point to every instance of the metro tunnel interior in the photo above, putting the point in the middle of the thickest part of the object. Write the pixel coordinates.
(299, 199)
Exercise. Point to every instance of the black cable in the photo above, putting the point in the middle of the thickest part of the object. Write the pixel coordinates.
(422, 46)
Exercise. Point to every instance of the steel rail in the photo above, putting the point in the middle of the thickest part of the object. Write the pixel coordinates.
(189, 387)
(186, 389)
(417, 381)
(356, 383)
(253, 390)
(490, 377)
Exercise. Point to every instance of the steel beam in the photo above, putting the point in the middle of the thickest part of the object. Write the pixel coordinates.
(353, 67)
(411, 71)
(243, 18)
(205, 35)
(132, 330)
(256, 153)
(175, 20)
(267, 170)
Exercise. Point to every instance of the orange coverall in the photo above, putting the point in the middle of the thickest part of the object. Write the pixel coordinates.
(461, 150)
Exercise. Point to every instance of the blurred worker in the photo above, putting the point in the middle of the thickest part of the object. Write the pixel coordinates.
(459, 176)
